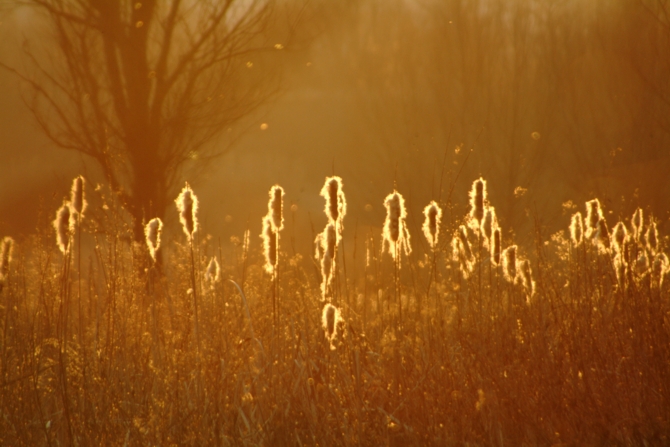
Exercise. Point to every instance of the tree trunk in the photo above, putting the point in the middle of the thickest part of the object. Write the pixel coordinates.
(149, 177)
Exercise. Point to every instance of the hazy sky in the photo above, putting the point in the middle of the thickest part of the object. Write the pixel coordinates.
(559, 110)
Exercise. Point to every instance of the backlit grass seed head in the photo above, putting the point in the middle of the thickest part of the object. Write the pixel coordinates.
(659, 269)
(329, 241)
(63, 224)
(457, 251)
(431, 223)
(77, 198)
(269, 245)
(458, 255)
(642, 241)
(336, 203)
(509, 263)
(603, 235)
(593, 216)
(496, 247)
(477, 200)
(489, 224)
(6, 256)
(652, 237)
(187, 205)
(526, 277)
(213, 272)
(318, 247)
(619, 236)
(394, 212)
(330, 319)
(642, 265)
(461, 251)
(629, 251)
(275, 207)
(152, 233)
(395, 234)
(577, 228)
(326, 274)
(637, 223)
(463, 236)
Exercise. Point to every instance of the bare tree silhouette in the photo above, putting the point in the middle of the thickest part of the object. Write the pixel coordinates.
(142, 86)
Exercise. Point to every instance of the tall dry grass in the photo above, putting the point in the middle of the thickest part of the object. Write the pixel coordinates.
(565, 342)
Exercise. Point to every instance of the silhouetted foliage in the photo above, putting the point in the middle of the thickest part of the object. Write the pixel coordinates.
(141, 88)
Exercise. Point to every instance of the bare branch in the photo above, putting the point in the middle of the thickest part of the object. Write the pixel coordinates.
(140, 87)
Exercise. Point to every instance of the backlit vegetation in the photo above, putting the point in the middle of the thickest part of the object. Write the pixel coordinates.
(466, 337)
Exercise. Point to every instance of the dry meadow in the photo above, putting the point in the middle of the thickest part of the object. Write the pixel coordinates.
(451, 335)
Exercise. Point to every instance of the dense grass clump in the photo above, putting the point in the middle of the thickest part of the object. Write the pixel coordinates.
(474, 339)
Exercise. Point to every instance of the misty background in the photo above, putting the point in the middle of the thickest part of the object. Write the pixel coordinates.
(552, 103)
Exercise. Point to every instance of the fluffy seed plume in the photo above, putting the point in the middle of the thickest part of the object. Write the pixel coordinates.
(336, 203)
(463, 236)
(457, 251)
(509, 263)
(652, 237)
(63, 224)
(326, 274)
(328, 240)
(6, 256)
(619, 236)
(603, 235)
(526, 277)
(187, 205)
(458, 255)
(152, 233)
(318, 247)
(461, 251)
(593, 216)
(659, 269)
(577, 228)
(431, 224)
(77, 198)
(495, 247)
(269, 237)
(213, 272)
(477, 202)
(637, 223)
(393, 214)
(330, 319)
(489, 224)
(276, 208)
(628, 253)
(395, 234)
(642, 265)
